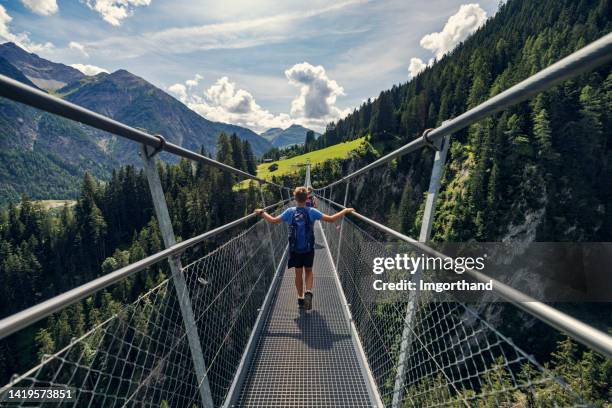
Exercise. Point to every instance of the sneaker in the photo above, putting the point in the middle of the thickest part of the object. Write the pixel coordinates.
(308, 301)
(300, 303)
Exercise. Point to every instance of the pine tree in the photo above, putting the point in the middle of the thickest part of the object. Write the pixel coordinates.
(249, 156)
(238, 158)
(382, 122)
(407, 210)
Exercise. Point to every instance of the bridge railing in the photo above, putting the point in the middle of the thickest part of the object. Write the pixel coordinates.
(138, 354)
(177, 346)
(449, 352)
(430, 349)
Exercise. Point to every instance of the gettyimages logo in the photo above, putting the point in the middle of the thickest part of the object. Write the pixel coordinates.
(411, 264)
(401, 273)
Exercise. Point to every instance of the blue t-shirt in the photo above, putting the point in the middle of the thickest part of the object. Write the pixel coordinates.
(313, 214)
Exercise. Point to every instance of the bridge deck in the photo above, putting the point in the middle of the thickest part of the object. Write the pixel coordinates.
(306, 359)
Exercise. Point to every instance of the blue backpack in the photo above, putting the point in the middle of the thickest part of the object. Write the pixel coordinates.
(301, 232)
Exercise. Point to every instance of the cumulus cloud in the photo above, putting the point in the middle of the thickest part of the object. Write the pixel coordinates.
(113, 11)
(318, 93)
(21, 39)
(180, 91)
(88, 69)
(191, 83)
(42, 7)
(225, 102)
(416, 66)
(73, 45)
(458, 27)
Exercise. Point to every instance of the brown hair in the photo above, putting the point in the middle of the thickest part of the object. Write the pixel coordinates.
(309, 190)
(300, 194)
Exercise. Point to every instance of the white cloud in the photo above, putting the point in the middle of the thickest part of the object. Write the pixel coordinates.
(42, 7)
(458, 27)
(237, 34)
(242, 33)
(73, 45)
(416, 66)
(191, 83)
(224, 101)
(21, 39)
(318, 92)
(180, 91)
(113, 11)
(88, 69)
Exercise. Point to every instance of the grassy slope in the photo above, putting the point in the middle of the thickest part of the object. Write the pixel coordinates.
(291, 165)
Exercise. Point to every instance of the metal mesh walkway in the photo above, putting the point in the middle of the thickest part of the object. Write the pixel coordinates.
(306, 359)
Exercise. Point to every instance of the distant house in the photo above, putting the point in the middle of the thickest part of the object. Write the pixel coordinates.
(267, 160)
(282, 158)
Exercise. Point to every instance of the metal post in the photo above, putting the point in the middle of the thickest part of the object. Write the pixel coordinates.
(307, 178)
(348, 183)
(165, 227)
(428, 215)
(263, 203)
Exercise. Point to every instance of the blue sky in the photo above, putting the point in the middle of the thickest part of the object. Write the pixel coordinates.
(258, 63)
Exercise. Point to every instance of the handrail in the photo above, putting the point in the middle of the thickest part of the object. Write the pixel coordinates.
(22, 319)
(585, 334)
(595, 54)
(19, 92)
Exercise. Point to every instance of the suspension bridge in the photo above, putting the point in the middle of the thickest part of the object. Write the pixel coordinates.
(224, 330)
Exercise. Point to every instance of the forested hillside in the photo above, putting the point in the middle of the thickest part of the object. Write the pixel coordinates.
(539, 170)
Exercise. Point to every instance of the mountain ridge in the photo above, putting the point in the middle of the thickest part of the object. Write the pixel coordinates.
(292, 135)
(42, 72)
(39, 137)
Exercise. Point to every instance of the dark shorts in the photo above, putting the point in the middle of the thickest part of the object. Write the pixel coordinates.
(297, 260)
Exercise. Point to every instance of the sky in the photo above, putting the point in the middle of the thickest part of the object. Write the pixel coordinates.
(254, 63)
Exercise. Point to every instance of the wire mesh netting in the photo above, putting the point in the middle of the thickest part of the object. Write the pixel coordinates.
(141, 355)
(432, 350)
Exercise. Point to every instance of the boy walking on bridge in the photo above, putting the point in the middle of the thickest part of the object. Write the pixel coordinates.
(301, 221)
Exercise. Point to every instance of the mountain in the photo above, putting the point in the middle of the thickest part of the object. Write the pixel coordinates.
(45, 156)
(271, 133)
(132, 100)
(45, 74)
(293, 135)
(41, 154)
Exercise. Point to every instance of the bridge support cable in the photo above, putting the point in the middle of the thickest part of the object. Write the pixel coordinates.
(167, 232)
(307, 178)
(441, 148)
(458, 356)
